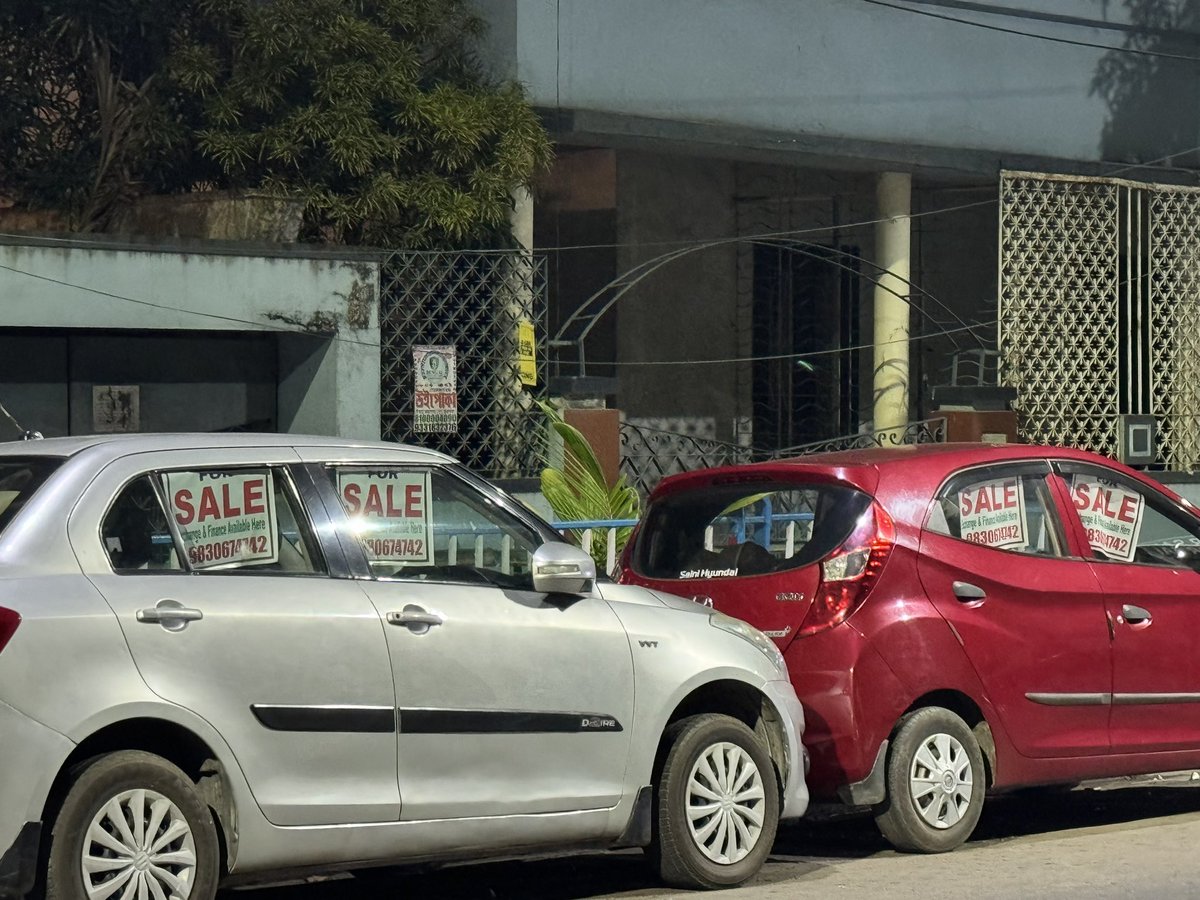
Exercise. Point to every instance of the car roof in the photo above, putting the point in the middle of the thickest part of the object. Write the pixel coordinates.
(950, 455)
(118, 445)
(865, 467)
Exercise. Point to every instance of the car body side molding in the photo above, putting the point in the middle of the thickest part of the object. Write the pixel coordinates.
(1097, 699)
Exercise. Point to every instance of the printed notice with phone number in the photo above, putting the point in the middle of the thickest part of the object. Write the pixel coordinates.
(1111, 515)
(993, 513)
(389, 512)
(225, 518)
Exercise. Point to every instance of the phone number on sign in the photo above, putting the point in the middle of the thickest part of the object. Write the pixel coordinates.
(218, 551)
(388, 547)
(1106, 541)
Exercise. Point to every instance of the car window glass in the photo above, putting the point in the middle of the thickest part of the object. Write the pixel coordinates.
(241, 519)
(743, 530)
(135, 532)
(1126, 523)
(1004, 511)
(427, 524)
(19, 479)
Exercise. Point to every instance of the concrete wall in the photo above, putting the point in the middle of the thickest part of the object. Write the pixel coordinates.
(814, 71)
(230, 332)
(686, 310)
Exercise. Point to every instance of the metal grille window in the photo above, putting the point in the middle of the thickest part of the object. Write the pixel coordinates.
(472, 300)
(1098, 309)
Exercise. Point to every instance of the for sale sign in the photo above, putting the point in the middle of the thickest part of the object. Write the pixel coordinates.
(225, 518)
(435, 389)
(993, 513)
(1111, 515)
(389, 511)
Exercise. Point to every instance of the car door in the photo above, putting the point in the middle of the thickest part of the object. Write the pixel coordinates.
(230, 610)
(510, 701)
(1146, 549)
(995, 562)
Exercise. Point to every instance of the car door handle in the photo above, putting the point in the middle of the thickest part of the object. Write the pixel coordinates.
(1135, 615)
(170, 614)
(967, 592)
(415, 619)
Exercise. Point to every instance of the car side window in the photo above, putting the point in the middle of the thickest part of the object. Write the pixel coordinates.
(425, 524)
(1004, 510)
(135, 532)
(1126, 522)
(244, 520)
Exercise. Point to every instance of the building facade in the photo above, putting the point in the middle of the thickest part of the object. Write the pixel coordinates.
(108, 336)
(775, 221)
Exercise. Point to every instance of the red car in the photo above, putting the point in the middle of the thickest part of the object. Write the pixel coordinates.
(956, 618)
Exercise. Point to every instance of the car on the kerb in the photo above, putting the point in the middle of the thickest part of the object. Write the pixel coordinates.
(955, 618)
(232, 658)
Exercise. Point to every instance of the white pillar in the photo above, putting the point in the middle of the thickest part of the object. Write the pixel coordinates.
(521, 218)
(516, 305)
(892, 240)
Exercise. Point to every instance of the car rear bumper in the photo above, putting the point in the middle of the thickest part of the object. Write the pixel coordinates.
(852, 699)
(795, 790)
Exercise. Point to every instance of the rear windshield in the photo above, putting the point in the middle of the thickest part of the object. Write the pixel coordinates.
(19, 478)
(744, 529)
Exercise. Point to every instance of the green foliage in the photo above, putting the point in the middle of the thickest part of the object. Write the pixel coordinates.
(579, 491)
(77, 111)
(373, 112)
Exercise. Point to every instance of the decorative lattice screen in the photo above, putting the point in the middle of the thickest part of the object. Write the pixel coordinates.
(1099, 309)
(473, 301)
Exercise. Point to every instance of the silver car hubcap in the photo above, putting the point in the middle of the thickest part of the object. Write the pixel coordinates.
(725, 803)
(940, 781)
(139, 846)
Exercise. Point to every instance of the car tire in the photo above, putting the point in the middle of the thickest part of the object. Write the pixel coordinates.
(935, 783)
(692, 846)
(140, 817)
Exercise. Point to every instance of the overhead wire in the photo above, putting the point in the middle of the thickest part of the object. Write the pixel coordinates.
(1136, 51)
(796, 356)
(651, 265)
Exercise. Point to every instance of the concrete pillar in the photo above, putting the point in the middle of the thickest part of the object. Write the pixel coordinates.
(892, 240)
(521, 218)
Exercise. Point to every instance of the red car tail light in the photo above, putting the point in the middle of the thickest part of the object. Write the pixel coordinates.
(9, 620)
(849, 573)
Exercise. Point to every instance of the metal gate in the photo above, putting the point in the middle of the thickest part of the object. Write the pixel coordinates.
(1099, 311)
(472, 300)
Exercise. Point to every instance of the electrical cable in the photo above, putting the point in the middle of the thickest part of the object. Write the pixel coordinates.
(655, 262)
(1158, 54)
(796, 356)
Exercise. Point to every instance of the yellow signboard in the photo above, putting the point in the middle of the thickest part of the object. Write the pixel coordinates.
(526, 354)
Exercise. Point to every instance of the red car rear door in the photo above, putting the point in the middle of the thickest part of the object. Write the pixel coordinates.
(996, 563)
(1146, 551)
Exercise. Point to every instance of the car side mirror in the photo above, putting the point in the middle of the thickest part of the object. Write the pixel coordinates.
(560, 568)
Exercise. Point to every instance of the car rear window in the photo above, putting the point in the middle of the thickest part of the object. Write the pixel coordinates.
(744, 529)
(19, 479)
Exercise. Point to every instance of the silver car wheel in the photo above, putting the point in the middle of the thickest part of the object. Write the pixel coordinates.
(940, 781)
(139, 846)
(725, 801)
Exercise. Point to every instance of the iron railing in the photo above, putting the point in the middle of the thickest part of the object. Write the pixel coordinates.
(649, 454)
(473, 301)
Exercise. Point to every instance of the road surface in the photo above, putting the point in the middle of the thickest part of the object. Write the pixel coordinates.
(1127, 842)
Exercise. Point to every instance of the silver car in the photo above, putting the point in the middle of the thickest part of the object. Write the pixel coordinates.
(227, 658)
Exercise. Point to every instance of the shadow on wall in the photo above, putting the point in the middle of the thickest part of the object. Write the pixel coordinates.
(1153, 101)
